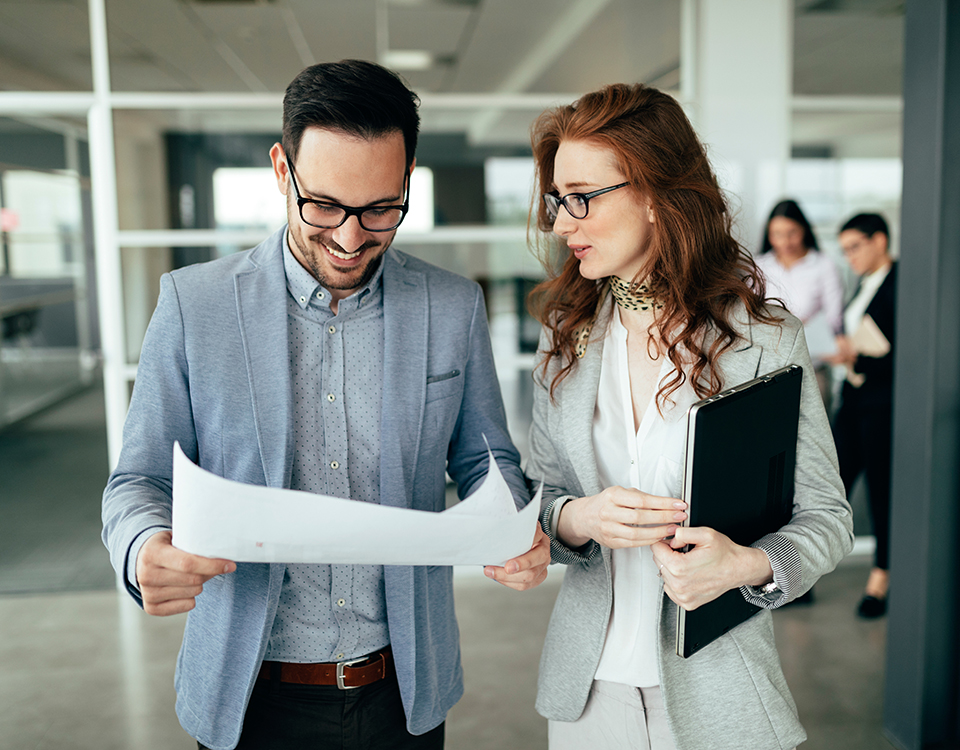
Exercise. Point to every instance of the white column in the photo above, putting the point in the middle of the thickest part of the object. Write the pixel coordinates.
(103, 180)
(737, 73)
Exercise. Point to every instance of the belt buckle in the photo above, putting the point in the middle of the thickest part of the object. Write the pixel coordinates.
(341, 665)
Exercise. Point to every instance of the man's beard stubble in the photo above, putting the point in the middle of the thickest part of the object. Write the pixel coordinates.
(368, 270)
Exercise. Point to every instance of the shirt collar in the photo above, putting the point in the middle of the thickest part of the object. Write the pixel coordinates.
(877, 277)
(303, 287)
(617, 330)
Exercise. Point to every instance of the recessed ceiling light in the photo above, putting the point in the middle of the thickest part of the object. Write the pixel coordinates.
(229, 2)
(407, 59)
(468, 3)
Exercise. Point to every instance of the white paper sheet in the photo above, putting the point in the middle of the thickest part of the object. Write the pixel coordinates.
(218, 517)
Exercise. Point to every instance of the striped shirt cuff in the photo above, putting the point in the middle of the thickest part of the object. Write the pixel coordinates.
(559, 552)
(787, 573)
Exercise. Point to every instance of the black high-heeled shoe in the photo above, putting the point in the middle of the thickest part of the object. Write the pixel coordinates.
(871, 607)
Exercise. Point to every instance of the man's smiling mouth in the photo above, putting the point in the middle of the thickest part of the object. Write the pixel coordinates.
(342, 255)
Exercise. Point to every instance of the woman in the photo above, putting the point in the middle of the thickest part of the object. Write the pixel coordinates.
(649, 306)
(805, 279)
(862, 429)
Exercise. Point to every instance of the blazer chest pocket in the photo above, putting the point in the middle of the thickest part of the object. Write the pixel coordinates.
(444, 385)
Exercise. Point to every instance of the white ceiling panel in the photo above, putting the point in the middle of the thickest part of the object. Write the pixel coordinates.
(181, 56)
(51, 38)
(335, 30)
(639, 40)
(424, 80)
(504, 35)
(435, 28)
(848, 53)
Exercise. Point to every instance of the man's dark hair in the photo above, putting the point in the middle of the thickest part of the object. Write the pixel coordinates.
(789, 209)
(358, 97)
(868, 224)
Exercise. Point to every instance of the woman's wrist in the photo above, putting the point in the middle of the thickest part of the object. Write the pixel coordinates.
(567, 524)
(756, 568)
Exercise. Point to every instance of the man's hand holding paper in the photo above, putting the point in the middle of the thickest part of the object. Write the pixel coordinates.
(170, 579)
(527, 570)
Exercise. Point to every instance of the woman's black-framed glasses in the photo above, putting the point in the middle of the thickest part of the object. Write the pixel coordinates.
(577, 204)
(329, 215)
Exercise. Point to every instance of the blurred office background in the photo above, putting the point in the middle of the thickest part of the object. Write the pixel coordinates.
(133, 140)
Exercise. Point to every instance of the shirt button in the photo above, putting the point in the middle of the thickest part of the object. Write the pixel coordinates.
(334, 464)
(341, 602)
(319, 295)
(331, 398)
(332, 329)
(303, 299)
(339, 657)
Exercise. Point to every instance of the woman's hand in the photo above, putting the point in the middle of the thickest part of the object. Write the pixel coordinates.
(619, 517)
(713, 566)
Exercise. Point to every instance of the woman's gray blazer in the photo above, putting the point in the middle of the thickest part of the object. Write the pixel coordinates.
(732, 694)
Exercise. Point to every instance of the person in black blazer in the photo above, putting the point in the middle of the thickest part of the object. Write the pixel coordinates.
(862, 428)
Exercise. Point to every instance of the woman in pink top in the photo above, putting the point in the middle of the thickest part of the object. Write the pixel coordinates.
(804, 278)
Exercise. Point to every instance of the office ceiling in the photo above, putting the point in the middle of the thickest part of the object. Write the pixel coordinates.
(848, 47)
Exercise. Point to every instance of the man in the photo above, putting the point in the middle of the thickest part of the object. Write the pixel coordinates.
(322, 360)
(863, 425)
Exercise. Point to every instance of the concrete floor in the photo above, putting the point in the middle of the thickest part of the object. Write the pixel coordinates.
(82, 667)
(89, 670)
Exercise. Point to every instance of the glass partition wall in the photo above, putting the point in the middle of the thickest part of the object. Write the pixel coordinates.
(47, 330)
(167, 169)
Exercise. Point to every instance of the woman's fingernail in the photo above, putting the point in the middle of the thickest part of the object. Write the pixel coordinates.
(680, 506)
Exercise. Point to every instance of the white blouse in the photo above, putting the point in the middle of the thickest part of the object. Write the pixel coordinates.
(649, 459)
(857, 307)
(810, 286)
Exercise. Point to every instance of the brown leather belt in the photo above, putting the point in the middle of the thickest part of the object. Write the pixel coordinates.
(345, 674)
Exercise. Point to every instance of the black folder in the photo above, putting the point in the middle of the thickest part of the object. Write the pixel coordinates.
(738, 479)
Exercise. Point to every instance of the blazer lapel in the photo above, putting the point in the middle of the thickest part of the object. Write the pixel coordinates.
(405, 335)
(578, 400)
(262, 311)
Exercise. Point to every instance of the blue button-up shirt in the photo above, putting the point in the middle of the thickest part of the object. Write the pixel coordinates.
(333, 612)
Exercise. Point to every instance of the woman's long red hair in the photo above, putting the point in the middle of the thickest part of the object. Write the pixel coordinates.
(694, 266)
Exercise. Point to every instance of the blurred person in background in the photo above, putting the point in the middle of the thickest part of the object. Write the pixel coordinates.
(862, 428)
(805, 279)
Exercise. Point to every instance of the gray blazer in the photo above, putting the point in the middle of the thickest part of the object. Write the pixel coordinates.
(732, 694)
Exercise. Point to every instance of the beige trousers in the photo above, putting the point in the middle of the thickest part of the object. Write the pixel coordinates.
(616, 716)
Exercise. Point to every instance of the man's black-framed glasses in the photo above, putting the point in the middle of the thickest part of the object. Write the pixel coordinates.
(329, 215)
(577, 204)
